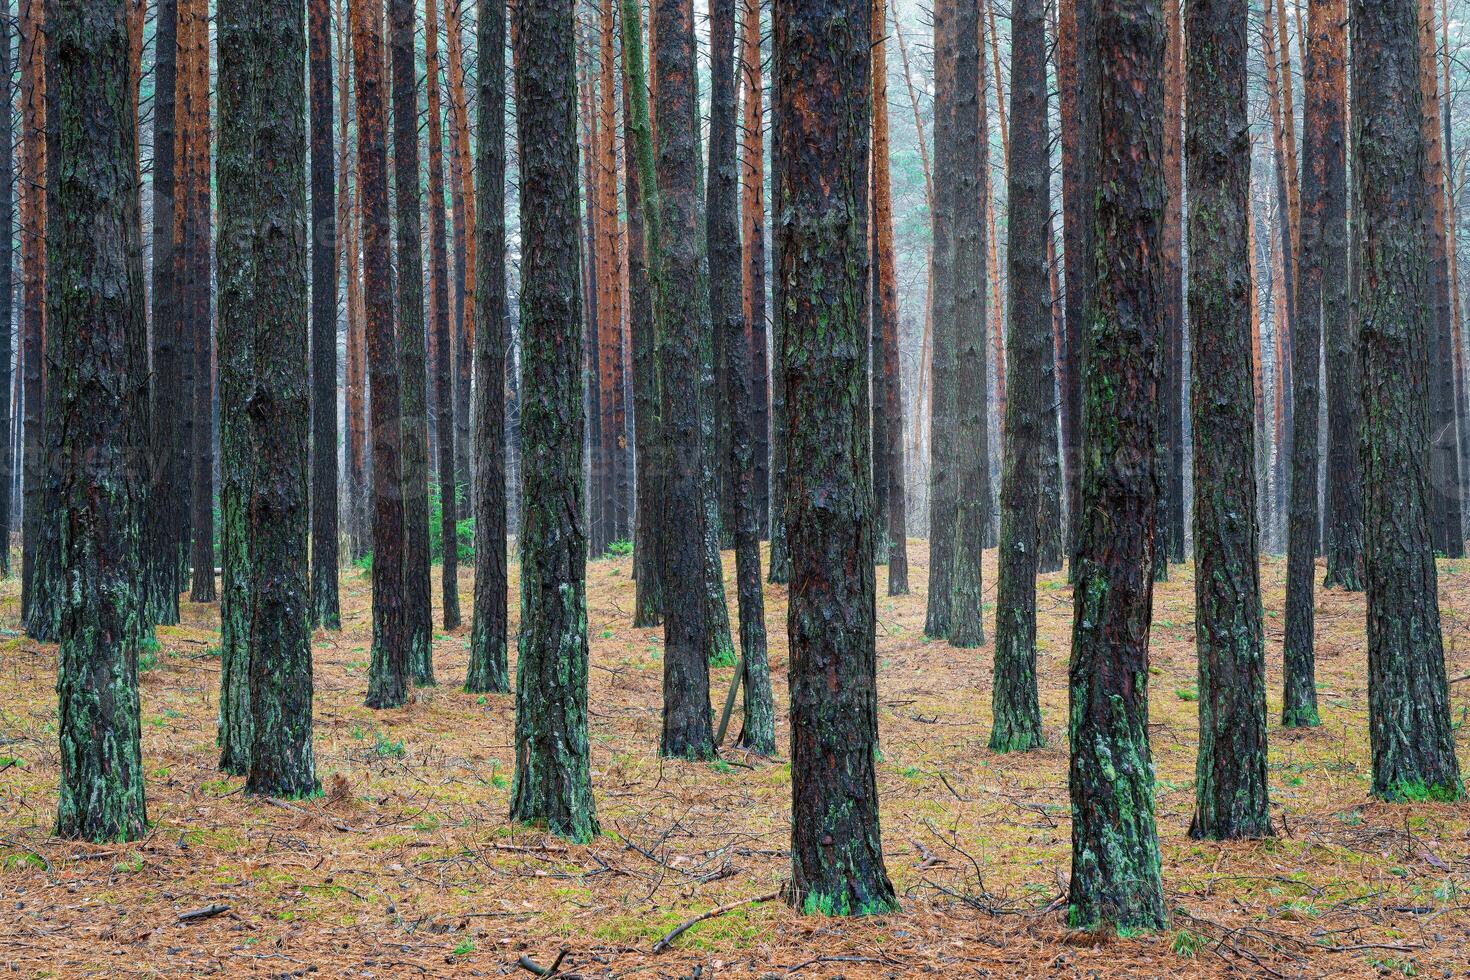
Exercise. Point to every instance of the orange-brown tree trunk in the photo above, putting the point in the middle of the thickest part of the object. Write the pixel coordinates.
(462, 174)
(612, 415)
(348, 243)
(753, 251)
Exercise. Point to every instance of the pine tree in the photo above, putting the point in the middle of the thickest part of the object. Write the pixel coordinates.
(235, 252)
(160, 583)
(412, 356)
(1115, 851)
(687, 729)
(391, 667)
(1171, 381)
(969, 273)
(823, 67)
(753, 224)
(489, 670)
(553, 780)
(1016, 709)
(97, 320)
(1230, 781)
(7, 279)
(282, 762)
(1408, 698)
(325, 609)
(641, 195)
(888, 455)
(195, 289)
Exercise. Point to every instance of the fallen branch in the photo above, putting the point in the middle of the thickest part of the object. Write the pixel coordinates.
(526, 963)
(199, 915)
(684, 927)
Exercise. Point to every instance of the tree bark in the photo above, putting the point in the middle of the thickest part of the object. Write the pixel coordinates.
(1171, 401)
(1408, 698)
(1231, 799)
(97, 317)
(687, 729)
(489, 670)
(753, 215)
(643, 244)
(160, 570)
(1115, 850)
(553, 781)
(464, 217)
(390, 668)
(1327, 110)
(282, 761)
(1015, 704)
(888, 468)
(412, 357)
(8, 405)
(823, 66)
(324, 609)
(968, 180)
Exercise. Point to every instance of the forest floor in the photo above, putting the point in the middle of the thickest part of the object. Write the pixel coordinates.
(407, 866)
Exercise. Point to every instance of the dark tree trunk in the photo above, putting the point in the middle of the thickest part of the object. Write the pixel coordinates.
(235, 253)
(391, 667)
(1015, 704)
(1408, 698)
(195, 306)
(823, 66)
(955, 110)
(1448, 524)
(489, 670)
(7, 286)
(1230, 777)
(648, 525)
(282, 762)
(32, 210)
(466, 237)
(97, 319)
(780, 570)
(723, 231)
(553, 779)
(1051, 540)
(1077, 82)
(1171, 380)
(444, 351)
(888, 468)
(159, 548)
(687, 731)
(324, 609)
(413, 360)
(1299, 699)
(1327, 99)
(753, 216)
(1115, 850)
(970, 457)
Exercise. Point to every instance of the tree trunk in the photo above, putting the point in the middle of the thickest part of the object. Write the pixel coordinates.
(1171, 400)
(235, 252)
(489, 670)
(97, 317)
(324, 609)
(888, 468)
(1408, 697)
(8, 404)
(194, 302)
(967, 177)
(463, 215)
(1446, 520)
(160, 572)
(439, 331)
(643, 220)
(32, 210)
(1327, 110)
(1115, 849)
(1283, 244)
(823, 67)
(412, 357)
(1230, 776)
(553, 780)
(955, 188)
(1015, 704)
(686, 716)
(391, 667)
(780, 571)
(1076, 83)
(727, 317)
(610, 306)
(282, 763)
(753, 215)
(355, 370)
